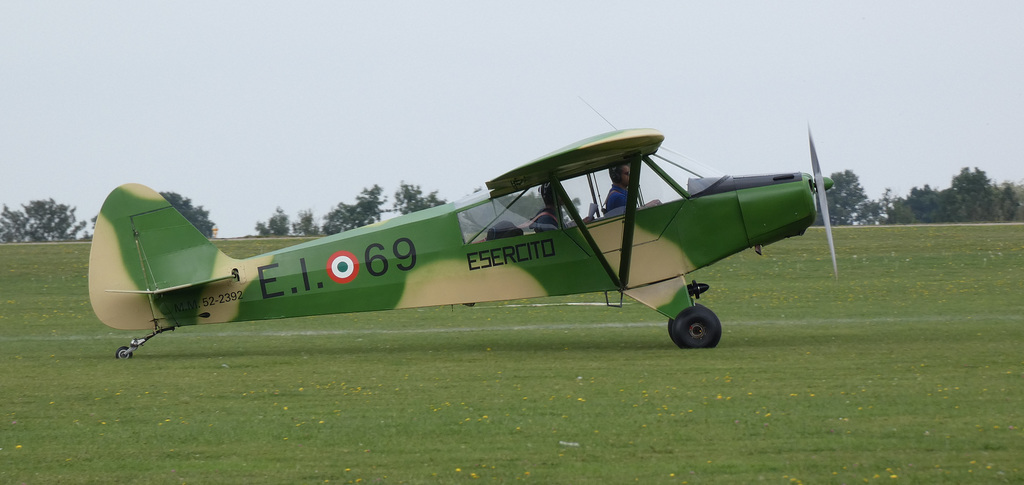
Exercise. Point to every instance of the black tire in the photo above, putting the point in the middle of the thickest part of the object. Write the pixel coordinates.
(123, 353)
(695, 328)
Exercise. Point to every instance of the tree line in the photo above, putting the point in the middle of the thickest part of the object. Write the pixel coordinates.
(971, 197)
(47, 220)
(367, 209)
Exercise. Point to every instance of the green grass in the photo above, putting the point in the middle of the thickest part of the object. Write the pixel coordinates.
(909, 368)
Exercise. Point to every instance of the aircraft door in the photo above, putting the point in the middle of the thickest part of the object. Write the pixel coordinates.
(597, 195)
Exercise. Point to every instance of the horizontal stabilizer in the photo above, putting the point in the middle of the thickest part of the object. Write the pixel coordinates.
(175, 288)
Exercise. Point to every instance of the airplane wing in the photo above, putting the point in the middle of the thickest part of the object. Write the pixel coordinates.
(581, 157)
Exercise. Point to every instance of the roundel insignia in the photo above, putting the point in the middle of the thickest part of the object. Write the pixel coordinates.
(342, 267)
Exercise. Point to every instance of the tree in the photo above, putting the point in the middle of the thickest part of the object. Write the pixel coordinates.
(306, 225)
(871, 212)
(366, 210)
(277, 225)
(970, 198)
(199, 217)
(409, 198)
(1005, 203)
(847, 203)
(42, 220)
(924, 204)
(1010, 202)
(895, 209)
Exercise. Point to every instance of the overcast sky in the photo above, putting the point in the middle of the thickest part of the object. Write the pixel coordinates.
(247, 106)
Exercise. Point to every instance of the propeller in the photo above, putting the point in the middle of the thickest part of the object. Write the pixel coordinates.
(820, 188)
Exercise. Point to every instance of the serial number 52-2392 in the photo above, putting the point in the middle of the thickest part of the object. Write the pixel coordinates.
(222, 298)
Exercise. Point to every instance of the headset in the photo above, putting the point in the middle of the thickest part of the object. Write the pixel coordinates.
(546, 193)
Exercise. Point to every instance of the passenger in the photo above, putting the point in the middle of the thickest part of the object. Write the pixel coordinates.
(545, 219)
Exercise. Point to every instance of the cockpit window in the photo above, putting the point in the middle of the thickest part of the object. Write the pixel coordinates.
(598, 195)
(527, 212)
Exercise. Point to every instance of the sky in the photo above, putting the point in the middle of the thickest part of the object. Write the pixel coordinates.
(246, 106)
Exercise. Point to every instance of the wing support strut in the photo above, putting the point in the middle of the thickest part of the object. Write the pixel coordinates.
(632, 195)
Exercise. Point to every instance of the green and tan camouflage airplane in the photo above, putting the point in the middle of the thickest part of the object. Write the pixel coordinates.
(541, 229)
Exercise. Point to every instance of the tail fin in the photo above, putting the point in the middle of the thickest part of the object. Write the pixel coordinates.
(141, 248)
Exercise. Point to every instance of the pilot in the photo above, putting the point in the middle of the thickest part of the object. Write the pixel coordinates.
(545, 219)
(617, 194)
(615, 202)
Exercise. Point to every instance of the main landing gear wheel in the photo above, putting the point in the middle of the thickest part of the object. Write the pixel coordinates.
(123, 353)
(695, 328)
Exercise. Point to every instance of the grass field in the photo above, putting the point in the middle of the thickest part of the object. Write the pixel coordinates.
(910, 368)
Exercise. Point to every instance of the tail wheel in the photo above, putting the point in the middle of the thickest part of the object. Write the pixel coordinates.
(695, 328)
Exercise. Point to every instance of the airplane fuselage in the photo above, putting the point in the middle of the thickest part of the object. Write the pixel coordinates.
(421, 259)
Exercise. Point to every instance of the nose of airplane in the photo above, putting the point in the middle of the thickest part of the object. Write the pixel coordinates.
(828, 182)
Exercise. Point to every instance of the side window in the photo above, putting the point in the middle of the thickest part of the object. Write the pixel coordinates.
(526, 212)
(584, 194)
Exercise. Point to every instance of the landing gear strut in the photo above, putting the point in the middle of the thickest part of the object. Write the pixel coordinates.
(126, 352)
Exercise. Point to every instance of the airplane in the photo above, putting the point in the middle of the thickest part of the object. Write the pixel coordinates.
(542, 229)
